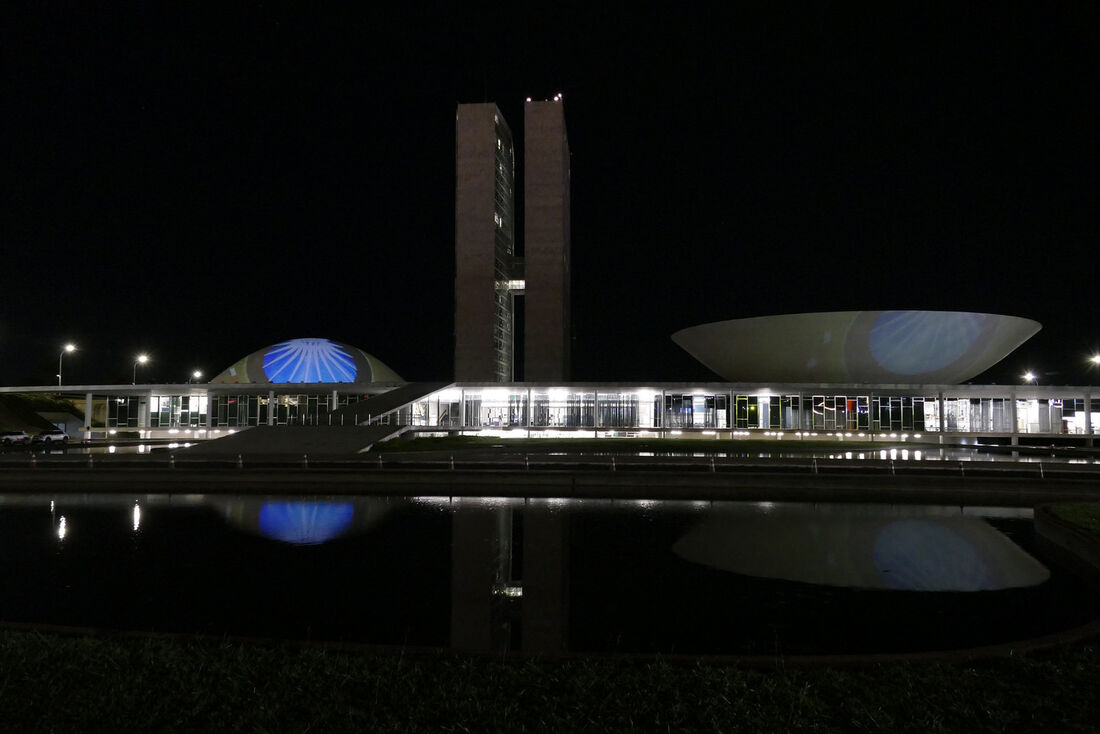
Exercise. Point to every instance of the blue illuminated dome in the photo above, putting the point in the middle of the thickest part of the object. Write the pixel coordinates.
(310, 360)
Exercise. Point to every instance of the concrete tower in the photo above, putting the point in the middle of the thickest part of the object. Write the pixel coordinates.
(484, 244)
(547, 332)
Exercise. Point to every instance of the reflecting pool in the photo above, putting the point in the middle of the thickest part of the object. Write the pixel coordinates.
(536, 575)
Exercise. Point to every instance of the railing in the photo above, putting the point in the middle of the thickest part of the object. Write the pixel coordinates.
(525, 463)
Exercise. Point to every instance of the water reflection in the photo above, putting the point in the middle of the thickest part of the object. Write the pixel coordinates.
(303, 522)
(861, 546)
(539, 575)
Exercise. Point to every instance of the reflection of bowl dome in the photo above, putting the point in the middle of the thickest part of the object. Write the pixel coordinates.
(308, 361)
(943, 347)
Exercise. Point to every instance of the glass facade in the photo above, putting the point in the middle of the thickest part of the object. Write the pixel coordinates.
(620, 408)
(503, 252)
(615, 407)
(177, 411)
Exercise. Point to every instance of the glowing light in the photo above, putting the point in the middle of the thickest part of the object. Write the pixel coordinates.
(309, 360)
(1095, 359)
(1029, 376)
(62, 528)
(137, 516)
(305, 523)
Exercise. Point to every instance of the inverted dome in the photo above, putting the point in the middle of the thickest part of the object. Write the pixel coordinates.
(940, 347)
(308, 361)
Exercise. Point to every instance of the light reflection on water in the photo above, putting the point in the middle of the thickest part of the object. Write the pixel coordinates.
(537, 574)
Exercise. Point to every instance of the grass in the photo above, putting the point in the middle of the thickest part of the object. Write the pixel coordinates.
(87, 684)
(19, 411)
(1084, 514)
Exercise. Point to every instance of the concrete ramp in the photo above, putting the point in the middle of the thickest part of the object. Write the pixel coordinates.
(371, 408)
(316, 441)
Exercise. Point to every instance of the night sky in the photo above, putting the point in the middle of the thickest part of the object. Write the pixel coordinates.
(201, 183)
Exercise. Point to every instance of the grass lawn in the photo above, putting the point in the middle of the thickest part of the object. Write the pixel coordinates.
(85, 684)
(1085, 514)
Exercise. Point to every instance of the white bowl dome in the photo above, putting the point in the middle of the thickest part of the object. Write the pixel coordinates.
(877, 347)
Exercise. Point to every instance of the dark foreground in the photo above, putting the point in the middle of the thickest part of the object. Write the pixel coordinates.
(85, 684)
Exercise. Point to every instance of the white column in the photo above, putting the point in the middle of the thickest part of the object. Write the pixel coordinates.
(1012, 418)
(270, 407)
(1088, 417)
(144, 406)
(88, 416)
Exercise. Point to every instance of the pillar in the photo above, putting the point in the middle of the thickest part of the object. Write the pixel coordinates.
(87, 416)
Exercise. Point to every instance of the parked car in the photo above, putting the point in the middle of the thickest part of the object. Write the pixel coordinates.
(10, 438)
(51, 435)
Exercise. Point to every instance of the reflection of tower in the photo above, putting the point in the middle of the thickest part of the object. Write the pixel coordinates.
(546, 241)
(484, 247)
(481, 560)
(509, 578)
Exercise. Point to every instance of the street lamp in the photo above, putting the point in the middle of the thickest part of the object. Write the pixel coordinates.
(67, 348)
(141, 359)
(1095, 359)
(196, 376)
(1030, 376)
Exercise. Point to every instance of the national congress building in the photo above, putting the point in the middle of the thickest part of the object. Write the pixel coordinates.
(848, 375)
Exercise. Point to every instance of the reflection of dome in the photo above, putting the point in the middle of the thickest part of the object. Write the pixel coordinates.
(941, 347)
(928, 555)
(861, 546)
(308, 361)
(305, 523)
(303, 520)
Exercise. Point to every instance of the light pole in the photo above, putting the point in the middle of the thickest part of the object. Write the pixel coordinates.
(141, 359)
(196, 376)
(1031, 377)
(67, 348)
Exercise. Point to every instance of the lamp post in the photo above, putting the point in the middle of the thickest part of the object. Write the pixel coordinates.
(67, 348)
(1030, 377)
(141, 359)
(196, 376)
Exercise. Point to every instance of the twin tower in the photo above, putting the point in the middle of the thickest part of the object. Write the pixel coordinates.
(489, 274)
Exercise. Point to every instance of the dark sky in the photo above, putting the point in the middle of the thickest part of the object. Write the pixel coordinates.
(200, 183)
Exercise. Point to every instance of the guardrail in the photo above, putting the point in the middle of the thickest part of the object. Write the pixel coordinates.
(438, 462)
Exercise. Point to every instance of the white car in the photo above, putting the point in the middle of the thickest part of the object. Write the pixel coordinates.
(52, 435)
(10, 438)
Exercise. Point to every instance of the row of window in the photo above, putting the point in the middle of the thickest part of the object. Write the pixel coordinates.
(873, 413)
(643, 409)
(225, 411)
